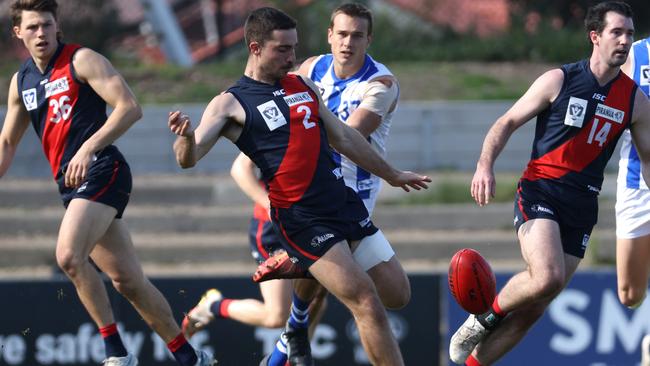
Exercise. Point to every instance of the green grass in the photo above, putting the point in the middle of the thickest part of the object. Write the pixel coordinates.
(453, 190)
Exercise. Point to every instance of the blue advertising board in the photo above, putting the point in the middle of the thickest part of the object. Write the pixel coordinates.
(43, 323)
(585, 325)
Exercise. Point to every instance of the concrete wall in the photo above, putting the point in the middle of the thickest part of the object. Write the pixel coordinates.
(424, 136)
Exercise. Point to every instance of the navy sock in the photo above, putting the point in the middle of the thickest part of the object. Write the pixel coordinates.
(182, 351)
(112, 341)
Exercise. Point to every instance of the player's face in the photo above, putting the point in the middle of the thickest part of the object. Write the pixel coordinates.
(349, 39)
(278, 54)
(38, 31)
(615, 40)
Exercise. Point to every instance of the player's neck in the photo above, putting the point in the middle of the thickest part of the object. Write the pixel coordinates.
(603, 72)
(345, 71)
(257, 74)
(42, 61)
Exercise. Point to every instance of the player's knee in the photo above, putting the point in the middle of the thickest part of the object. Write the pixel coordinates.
(631, 297)
(398, 298)
(126, 285)
(549, 283)
(69, 262)
(276, 318)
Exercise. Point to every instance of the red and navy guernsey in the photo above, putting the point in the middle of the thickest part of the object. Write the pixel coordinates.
(576, 136)
(64, 111)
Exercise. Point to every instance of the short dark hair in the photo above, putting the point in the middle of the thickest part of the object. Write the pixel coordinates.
(17, 7)
(595, 19)
(263, 21)
(354, 10)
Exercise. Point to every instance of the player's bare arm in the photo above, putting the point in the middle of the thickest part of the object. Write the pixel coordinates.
(97, 71)
(538, 97)
(640, 130)
(243, 172)
(14, 127)
(350, 143)
(223, 116)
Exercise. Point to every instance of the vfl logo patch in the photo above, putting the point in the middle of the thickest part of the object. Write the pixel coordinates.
(644, 78)
(612, 114)
(575, 113)
(29, 99)
(272, 115)
(57, 86)
(299, 98)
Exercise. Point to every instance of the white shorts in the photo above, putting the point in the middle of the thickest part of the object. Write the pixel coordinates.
(632, 213)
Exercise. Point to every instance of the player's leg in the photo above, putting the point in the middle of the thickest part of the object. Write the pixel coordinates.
(375, 255)
(344, 278)
(115, 255)
(632, 269)
(83, 224)
(270, 313)
(544, 278)
(517, 323)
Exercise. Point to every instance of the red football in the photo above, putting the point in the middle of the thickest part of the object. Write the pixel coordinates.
(472, 281)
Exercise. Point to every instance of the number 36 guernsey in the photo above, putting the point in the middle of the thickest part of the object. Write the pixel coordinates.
(64, 111)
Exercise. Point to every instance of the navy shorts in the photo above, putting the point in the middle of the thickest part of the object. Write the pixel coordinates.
(108, 181)
(575, 211)
(308, 235)
(263, 239)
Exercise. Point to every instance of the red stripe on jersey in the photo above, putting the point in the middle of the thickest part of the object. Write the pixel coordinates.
(296, 171)
(60, 109)
(582, 149)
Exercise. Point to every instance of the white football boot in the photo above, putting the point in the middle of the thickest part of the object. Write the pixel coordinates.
(465, 339)
(128, 360)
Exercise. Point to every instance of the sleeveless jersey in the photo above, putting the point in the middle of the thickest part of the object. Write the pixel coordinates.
(342, 97)
(285, 137)
(629, 165)
(577, 134)
(64, 111)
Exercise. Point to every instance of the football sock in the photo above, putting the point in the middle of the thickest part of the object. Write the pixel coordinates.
(471, 361)
(112, 341)
(219, 308)
(492, 317)
(182, 351)
(279, 355)
(299, 317)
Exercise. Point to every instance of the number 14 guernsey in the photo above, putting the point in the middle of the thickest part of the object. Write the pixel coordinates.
(577, 134)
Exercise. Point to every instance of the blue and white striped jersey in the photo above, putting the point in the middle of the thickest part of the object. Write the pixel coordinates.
(342, 97)
(629, 166)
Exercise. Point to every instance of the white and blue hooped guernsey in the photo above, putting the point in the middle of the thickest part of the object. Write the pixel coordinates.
(629, 166)
(342, 97)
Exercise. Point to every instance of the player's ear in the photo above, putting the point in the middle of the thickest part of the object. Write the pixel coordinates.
(254, 48)
(16, 31)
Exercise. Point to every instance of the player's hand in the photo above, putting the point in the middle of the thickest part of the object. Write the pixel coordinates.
(180, 124)
(483, 186)
(406, 179)
(77, 169)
